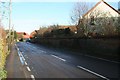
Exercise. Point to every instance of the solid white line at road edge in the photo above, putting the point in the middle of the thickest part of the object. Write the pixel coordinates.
(22, 56)
(17, 48)
(92, 72)
(32, 76)
(58, 58)
(28, 68)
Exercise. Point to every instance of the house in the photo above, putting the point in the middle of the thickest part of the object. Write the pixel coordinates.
(101, 19)
(22, 35)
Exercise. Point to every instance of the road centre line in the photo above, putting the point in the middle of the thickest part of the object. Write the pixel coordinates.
(58, 58)
(92, 72)
(32, 76)
(25, 63)
(28, 68)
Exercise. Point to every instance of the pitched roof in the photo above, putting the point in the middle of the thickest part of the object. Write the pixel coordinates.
(24, 36)
(20, 32)
(98, 4)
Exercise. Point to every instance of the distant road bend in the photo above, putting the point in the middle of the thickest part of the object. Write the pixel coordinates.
(42, 62)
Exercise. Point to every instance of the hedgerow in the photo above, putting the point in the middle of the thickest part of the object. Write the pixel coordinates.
(3, 53)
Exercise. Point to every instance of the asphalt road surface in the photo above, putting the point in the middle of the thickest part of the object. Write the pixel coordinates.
(44, 62)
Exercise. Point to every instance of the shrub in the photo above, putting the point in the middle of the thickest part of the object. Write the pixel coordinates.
(3, 74)
(3, 53)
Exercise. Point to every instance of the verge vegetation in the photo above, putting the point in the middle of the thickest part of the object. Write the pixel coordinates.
(3, 53)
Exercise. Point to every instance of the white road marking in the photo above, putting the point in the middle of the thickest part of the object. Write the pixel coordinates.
(32, 76)
(18, 49)
(92, 72)
(19, 53)
(28, 68)
(58, 58)
(25, 63)
(21, 60)
(22, 57)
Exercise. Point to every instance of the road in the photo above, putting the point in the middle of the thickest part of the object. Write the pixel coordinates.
(44, 62)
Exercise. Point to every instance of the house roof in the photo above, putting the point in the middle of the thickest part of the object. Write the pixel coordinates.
(24, 36)
(98, 4)
(20, 32)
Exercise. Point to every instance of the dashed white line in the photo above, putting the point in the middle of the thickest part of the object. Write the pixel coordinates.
(28, 68)
(32, 76)
(23, 58)
(92, 72)
(25, 63)
(58, 58)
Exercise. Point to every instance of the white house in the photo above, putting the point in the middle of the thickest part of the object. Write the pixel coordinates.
(102, 19)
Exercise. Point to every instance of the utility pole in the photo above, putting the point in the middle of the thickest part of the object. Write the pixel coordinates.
(13, 34)
(10, 9)
(0, 13)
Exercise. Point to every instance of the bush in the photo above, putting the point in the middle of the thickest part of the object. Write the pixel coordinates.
(3, 74)
(3, 53)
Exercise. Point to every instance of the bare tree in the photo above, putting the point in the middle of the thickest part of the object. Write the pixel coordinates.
(80, 8)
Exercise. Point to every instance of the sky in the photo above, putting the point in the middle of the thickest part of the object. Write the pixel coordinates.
(29, 15)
